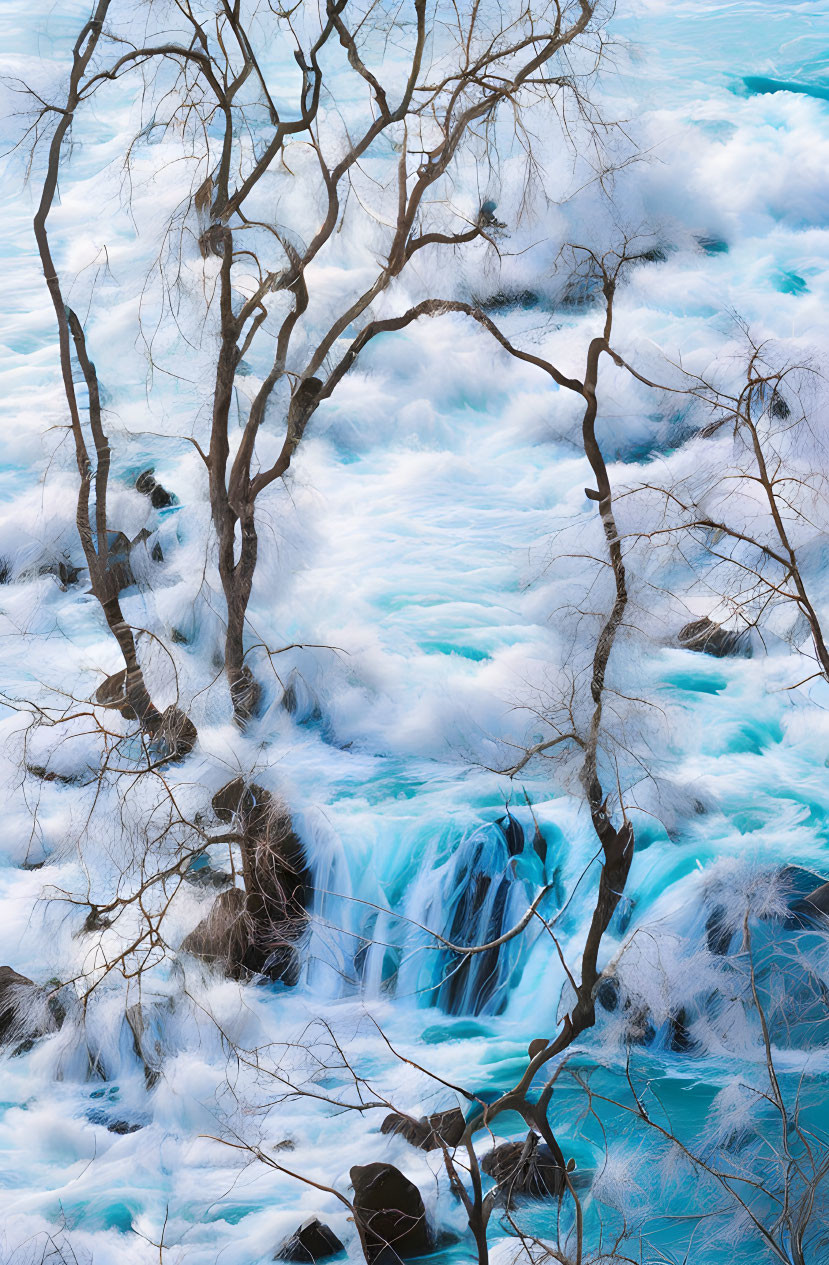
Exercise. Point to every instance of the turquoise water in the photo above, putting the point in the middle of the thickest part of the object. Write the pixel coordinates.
(428, 552)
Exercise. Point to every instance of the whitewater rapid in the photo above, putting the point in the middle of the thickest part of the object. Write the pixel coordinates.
(413, 551)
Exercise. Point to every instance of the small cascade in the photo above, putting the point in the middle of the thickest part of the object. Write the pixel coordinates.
(470, 898)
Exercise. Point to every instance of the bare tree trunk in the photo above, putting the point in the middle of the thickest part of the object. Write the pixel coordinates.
(137, 702)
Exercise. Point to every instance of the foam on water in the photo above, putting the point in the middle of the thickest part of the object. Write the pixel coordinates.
(411, 558)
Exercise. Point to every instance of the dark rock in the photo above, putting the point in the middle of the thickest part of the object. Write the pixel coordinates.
(639, 1029)
(816, 903)
(607, 993)
(506, 300)
(429, 1132)
(513, 833)
(15, 992)
(313, 1241)
(254, 931)
(679, 1035)
(389, 1214)
(276, 870)
(231, 939)
(145, 1022)
(540, 845)
(123, 1127)
(479, 914)
(223, 937)
(201, 873)
(5, 570)
(177, 734)
(64, 572)
(718, 932)
(146, 483)
(27, 1010)
(524, 1168)
(51, 775)
(706, 637)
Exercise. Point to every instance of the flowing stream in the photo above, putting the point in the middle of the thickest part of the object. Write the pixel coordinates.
(414, 555)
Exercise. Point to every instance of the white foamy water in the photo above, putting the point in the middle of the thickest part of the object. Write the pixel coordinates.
(422, 556)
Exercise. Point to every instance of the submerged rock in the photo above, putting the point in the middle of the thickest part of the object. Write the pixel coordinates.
(313, 1241)
(429, 1132)
(679, 1034)
(706, 637)
(389, 1214)
(524, 1168)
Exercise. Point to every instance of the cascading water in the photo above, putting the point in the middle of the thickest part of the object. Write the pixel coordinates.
(409, 573)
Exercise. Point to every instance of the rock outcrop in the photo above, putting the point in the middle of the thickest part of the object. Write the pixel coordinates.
(526, 1168)
(312, 1242)
(389, 1214)
(706, 637)
(429, 1132)
(255, 931)
(27, 1010)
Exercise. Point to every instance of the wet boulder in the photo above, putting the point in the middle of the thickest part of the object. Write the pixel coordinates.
(719, 931)
(27, 1010)
(389, 1214)
(429, 1133)
(176, 736)
(146, 483)
(277, 875)
(513, 833)
(62, 570)
(200, 873)
(231, 939)
(223, 937)
(607, 992)
(255, 931)
(526, 1168)
(312, 1242)
(706, 637)
(146, 1022)
(679, 1038)
(16, 994)
(814, 906)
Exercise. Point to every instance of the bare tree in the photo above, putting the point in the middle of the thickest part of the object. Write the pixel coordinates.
(616, 845)
(437, 114)
(754, 512)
